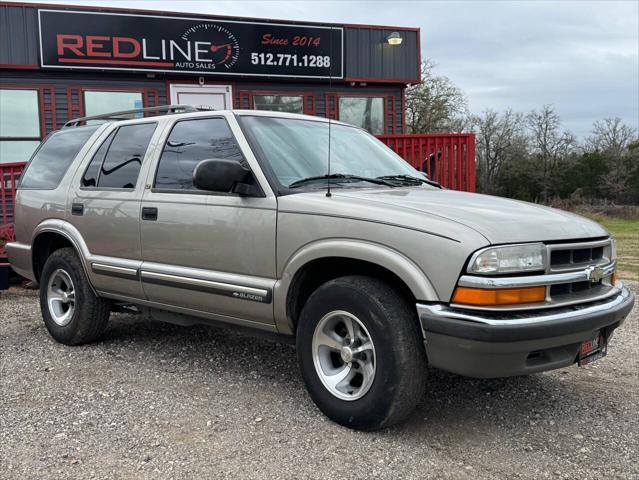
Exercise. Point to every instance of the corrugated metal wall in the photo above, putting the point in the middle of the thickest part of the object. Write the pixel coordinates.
(18, 35)
(368, 55)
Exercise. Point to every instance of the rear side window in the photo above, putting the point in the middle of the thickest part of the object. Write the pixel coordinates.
(52, 160)
(190, 142)
(90, 178)
(117, 162)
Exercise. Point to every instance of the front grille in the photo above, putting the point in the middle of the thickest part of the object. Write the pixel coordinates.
(576, 256)
(558, 290)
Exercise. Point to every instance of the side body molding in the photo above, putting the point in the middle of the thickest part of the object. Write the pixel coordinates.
(381, 255)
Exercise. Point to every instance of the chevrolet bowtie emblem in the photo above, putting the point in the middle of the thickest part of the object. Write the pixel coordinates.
(595, 273)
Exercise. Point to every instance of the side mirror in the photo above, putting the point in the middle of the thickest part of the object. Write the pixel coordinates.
(223, 175)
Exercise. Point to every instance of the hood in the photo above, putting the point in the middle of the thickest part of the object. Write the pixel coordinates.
(498, 219)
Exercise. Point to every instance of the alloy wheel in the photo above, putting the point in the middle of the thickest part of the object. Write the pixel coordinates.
(344, 355)
(61, 297)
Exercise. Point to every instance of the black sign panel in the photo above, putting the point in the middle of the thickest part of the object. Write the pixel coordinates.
(114, 41)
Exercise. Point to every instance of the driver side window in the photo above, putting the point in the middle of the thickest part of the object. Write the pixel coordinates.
(190, 142)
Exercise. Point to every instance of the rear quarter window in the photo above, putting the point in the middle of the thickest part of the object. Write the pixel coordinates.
(52, 160)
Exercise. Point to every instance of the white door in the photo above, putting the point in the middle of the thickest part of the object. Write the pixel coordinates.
(217, 96)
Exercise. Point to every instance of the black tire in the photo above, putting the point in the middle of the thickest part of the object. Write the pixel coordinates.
(91, 313)
(400, 373)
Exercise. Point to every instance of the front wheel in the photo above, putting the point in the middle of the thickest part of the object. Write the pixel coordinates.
(361, 353)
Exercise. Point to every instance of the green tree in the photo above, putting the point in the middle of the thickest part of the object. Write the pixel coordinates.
(583, 177)
(633, 177)
(519, 179)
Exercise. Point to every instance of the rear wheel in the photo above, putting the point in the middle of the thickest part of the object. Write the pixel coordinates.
(72, 313)
(361, 353)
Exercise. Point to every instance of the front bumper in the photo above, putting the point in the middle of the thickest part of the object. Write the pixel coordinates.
(486, 344)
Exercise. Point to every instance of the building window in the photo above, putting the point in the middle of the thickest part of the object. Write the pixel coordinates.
(100, 102)
(19, 124)
(365, 112)
(279, 103)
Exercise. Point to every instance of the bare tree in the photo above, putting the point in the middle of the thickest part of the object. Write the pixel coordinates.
(532, 155)
(436, 104)
(611, 135)
(612, 138)
(500, 139)
(549, 143)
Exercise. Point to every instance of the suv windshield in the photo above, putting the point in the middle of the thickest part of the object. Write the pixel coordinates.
(296, 150)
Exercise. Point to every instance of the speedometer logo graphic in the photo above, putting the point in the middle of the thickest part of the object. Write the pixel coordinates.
(224, 48)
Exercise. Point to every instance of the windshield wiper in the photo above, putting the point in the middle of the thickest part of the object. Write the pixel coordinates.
(411, 180)
(341, 177)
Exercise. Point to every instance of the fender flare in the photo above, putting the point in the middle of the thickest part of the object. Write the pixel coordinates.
(68, 231)
(414, 278)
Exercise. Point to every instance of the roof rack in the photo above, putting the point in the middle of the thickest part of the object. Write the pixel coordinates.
(129, 114)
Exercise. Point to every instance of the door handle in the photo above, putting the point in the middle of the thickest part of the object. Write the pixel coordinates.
(149, 213)
(77, 209)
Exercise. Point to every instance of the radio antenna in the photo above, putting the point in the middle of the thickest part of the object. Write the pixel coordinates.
(330, 89)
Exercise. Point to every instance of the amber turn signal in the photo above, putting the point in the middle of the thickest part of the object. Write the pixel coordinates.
(493, 297)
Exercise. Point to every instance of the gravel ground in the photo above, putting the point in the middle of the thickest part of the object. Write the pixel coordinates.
(160, 401)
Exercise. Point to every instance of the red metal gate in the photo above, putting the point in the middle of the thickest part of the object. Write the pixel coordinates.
(448, 158)
(9, 175)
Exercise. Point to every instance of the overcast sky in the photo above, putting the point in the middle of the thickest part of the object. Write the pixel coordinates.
(581, 56)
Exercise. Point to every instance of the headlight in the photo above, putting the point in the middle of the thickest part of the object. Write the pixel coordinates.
(527, 257)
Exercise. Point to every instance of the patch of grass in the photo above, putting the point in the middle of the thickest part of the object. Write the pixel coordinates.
(626, 232)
